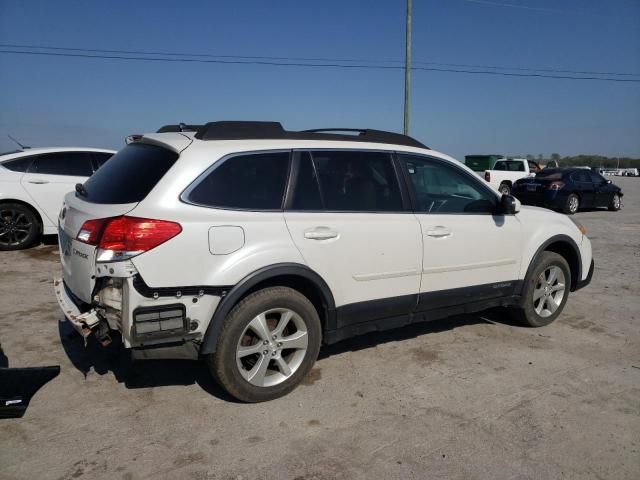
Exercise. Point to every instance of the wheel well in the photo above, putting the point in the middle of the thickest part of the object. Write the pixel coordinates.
(29, 206)
(303, 285)
(569, 254)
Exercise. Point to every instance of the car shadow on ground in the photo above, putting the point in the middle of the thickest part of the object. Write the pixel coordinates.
(117, 360)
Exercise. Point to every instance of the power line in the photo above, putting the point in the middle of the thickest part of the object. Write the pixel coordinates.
(316, 65)
(314, 59)
(528, 7)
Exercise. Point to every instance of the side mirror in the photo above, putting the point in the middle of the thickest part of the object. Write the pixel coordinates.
(508, 205)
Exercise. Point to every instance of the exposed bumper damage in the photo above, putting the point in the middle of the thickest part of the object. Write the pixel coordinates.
(167, 324)
(82, 322)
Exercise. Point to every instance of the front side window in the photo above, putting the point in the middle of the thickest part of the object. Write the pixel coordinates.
(253, 182)
(581, 177)
(357, 181)
(443, 188)
(76, 164)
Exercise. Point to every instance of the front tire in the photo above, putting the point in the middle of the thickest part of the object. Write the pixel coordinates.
(545, 293)
(19, 226)
(572, 204)
(615, 204)
(267, 345)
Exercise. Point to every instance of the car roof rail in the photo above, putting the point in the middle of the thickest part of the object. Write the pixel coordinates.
(181, 127)
(241, 130)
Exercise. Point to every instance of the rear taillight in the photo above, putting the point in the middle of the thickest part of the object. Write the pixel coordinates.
(487, 176)
(120, 238)
(555, 186)
(92, 230)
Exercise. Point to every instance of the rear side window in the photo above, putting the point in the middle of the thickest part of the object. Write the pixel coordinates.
(306, 191)
(357, 181)
(129, 175)
(252, 182)
(18, 165)
(75, 164)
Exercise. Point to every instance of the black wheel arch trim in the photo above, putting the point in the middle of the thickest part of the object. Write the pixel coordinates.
(227, 302)
(555, 239)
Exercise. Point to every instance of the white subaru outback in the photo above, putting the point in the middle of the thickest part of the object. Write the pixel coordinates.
(250, 245)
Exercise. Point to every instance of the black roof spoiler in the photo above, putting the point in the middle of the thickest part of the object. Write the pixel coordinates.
(241, 130)
(181, 127)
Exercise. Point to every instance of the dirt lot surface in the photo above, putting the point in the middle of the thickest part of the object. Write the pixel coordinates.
(469, 397)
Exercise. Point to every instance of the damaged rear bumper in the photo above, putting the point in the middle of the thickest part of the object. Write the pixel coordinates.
(82, 322)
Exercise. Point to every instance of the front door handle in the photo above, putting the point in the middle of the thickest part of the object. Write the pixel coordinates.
(439, 232)
(320, 233)
(38, 182)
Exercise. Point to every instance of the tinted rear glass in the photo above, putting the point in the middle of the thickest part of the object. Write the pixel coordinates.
(18, 165)
(129, 175)
(551, 175)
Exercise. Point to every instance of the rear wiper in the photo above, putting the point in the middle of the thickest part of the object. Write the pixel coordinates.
(81, 190)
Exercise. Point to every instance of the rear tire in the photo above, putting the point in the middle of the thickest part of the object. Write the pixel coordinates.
(505, 189)
(545, 292)
(252, 361)
(19, 226)
(572, 204)
(615, 204)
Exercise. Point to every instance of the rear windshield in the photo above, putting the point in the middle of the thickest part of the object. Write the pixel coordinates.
(549, 175)
(129, 175)
(479, 163)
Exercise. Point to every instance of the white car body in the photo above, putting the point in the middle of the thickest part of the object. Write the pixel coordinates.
(43, 193)
(363, 270)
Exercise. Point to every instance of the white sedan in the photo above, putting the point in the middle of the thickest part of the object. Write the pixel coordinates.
(33, 183)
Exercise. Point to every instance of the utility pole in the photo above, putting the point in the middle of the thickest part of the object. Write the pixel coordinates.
(407, 69)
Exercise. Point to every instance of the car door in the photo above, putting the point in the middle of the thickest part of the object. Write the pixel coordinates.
(52, 175)
(470, 254)
(351, 223)
(584, 187)
(603, 190)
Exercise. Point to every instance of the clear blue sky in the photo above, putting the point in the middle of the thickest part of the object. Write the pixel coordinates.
(57, 100)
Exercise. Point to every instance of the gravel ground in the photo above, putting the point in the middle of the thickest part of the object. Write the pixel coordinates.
(468, 397)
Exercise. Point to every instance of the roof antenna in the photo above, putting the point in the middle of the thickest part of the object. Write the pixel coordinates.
(24, 147)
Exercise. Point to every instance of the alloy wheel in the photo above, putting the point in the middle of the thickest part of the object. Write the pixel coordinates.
(573, 204)
(15, 227)
(549, 292)
(616, 202)
(272, 347)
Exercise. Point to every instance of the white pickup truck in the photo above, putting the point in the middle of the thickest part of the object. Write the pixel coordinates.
(506, 172)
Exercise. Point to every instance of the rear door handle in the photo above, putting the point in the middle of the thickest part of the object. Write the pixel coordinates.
(439, 232)
(38, 182)
(320, 233)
